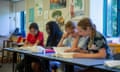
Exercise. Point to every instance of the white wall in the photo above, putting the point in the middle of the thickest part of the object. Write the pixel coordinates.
(19, 6)
(12, 19)
(8, 19)
(4, 18)
(96, 13)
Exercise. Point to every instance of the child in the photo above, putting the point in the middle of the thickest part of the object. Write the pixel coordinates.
(54, 34)
(96, 46)
(68, 37)
(34, 38)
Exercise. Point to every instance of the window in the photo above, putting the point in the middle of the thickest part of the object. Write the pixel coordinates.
(111, 25)
(20, 22)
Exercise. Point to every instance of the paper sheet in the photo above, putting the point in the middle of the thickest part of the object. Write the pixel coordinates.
(60, 49)
(59, 52)
(33, 48)
(112, 63)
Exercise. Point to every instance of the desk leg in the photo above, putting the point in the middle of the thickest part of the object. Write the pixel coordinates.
(27, 63)
(0, 65)
(13, 61)
(47, 63)
(69, 68)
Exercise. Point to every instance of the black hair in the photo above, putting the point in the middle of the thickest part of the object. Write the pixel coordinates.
(34, 26)
(53, 27)
(55, 33)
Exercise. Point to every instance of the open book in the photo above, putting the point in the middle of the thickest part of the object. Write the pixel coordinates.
(59, 52)
(112, 63)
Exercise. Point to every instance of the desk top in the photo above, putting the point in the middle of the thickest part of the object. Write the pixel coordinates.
(76, 61)
(107, 68)
(83, 62)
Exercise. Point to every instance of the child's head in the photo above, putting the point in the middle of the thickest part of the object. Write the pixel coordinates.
(85, 27)
(70, 28)
(33, 28)
(52, 28)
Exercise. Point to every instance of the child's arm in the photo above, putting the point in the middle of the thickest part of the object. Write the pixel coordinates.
(101, 54)
(60, 44)
(74, 47)
(37, 43)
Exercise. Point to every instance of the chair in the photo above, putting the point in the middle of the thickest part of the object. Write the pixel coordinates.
(116, 56)
(6, 55)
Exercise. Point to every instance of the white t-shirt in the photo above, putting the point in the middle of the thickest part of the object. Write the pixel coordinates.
(69, 41)
(82, 42)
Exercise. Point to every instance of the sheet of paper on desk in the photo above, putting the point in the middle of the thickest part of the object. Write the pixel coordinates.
(112, 63)
(65, 55)
(20, 43)
(59, 52)
(60, 49)
(33, 48)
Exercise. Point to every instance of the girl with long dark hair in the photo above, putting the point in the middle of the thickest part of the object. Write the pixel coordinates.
(54, 34)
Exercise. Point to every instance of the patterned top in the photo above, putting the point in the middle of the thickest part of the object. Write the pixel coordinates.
(98, 43)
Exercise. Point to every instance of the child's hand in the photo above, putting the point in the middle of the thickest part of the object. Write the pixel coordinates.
(25, 45)
(65, 35)
(93, 47)
(69, 50)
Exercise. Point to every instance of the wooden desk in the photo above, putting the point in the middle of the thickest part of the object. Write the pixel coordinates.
(114, 47)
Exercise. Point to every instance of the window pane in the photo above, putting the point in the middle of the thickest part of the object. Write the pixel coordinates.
(112, 26)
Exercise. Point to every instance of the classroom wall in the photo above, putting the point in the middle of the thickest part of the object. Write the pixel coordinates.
(8, 16)
(17, 8)
(12, 18)
(93, 8)
(41, 20)
(96, 13)
(4, 18)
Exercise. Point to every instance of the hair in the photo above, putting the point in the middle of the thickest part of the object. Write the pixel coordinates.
(55, 32)
(34, 26)
(53, 27)
(70, 25)
(84, 24)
